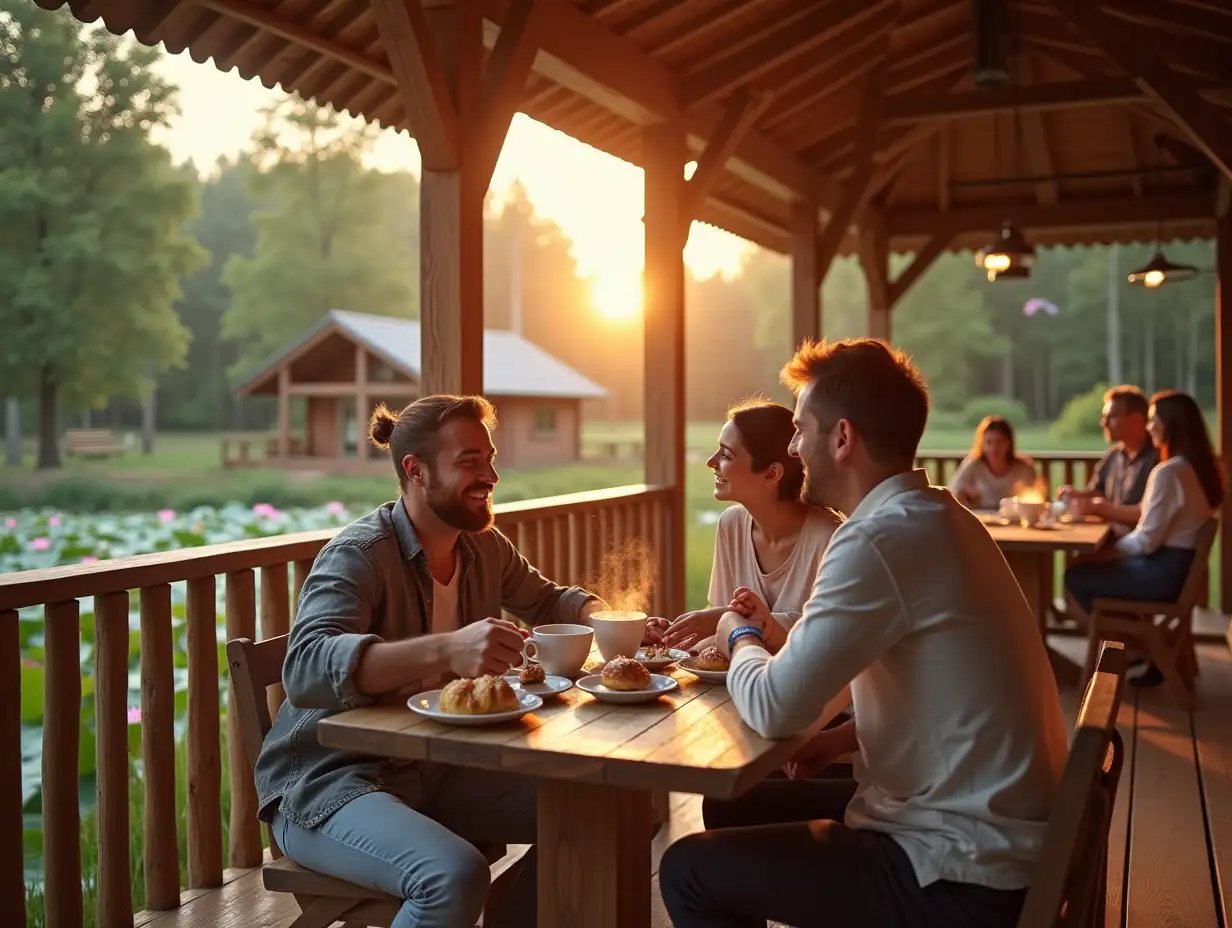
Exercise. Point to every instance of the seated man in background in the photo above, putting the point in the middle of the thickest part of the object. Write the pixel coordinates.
(1115, 490)
(398, 600)
(958, 736)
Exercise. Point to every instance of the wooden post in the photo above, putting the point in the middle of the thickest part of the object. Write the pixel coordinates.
(875, 262)
(663, 153)
(363, 405)
(284, 412)
(806, 275)
(1223, 389)
(451, 222)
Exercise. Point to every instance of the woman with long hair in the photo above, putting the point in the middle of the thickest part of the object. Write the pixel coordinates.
(769, 540)
(993, 470)
(1183, 491)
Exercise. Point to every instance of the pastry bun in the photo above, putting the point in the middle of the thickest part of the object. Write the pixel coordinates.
(624, 673)
(710, 659)
(532, 673)
(480, 696)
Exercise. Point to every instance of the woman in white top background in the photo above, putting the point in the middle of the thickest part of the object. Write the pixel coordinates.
(993, 470)
(768, 540)
(1183, 491)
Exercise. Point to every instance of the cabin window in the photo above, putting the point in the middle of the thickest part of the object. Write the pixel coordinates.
(380, 372)
(545, 421)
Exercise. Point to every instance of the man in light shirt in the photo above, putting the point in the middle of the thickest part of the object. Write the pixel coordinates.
(958, 736)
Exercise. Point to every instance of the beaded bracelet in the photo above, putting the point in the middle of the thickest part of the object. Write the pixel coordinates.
(740, 633)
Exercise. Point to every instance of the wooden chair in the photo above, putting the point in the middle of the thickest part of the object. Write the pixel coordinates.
(1163, 632)
(90, 443)
(323, 900)
(1070, 888)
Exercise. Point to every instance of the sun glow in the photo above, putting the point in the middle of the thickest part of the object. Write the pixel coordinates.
(616, 296)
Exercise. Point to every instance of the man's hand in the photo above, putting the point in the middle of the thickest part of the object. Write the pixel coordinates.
(820, 751)
(691, 628)
(733, 620)
(489, 646)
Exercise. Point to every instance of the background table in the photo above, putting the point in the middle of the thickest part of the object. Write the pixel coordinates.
(1030, 553)
(596, 764)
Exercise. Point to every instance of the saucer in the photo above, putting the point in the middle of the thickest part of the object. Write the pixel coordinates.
(428, 704)
(552, 685)
(659, 684)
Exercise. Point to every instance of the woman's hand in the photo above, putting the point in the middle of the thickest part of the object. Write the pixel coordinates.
(752, 607)
(823, 749)
(691, 628)
(655, 627)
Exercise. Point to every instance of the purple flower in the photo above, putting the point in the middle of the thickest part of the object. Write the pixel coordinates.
(40, 544)
(166, 515)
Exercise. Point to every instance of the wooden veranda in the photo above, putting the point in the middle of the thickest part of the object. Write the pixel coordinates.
(817, 128)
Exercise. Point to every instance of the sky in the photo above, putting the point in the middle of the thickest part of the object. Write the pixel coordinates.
(595, 198)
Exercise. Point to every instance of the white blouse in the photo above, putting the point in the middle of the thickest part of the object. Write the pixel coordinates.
(975, 477)
(1174, 508)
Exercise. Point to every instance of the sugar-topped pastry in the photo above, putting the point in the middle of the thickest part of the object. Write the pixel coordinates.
(481, 696)
(532, 673)
(710, 659)
(624, 673)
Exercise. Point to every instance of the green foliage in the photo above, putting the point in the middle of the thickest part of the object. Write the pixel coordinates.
(92, 247)
(1081, 415)
(976, 408)
(324, 235)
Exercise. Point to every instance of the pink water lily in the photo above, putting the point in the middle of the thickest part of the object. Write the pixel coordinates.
(166, 515)
(335, 508)
(53, 521)
(134, 715)
(265, 511)
(10, 523)
(89, 559)
(40, 544)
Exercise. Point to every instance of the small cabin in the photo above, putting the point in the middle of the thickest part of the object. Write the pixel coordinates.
(346, 364)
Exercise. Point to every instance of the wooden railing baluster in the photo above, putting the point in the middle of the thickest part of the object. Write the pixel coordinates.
(115, 889)
(245, 838)
(162, 856)
(275, 620)
(204, 762)
(61, 741)
(299, 574)
(12, 848)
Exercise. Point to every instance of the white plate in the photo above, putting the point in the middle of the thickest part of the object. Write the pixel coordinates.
(429, 705)
(674, 655)
(551, 686)
(711, 676)
(659, 684)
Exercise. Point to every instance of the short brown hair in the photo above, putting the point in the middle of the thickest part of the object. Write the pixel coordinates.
(1132, 399)
(875, 387)
(415, 430)
(766, 431)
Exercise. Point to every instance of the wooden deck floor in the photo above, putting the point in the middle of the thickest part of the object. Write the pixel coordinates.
(1171, 842)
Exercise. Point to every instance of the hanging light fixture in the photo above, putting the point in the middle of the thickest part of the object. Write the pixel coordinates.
(1159, 270)
(1010, 255)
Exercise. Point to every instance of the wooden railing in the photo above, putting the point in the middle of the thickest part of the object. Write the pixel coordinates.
(566, 537)
(1059, 468)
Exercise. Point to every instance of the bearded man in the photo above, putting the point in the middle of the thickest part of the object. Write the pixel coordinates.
(396, 602)
(958, 741)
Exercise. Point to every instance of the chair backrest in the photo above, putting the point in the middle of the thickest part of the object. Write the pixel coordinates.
(255, 666)
(1197, 573)
(1070, 884)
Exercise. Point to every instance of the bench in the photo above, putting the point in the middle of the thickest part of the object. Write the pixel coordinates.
(99, 443)
(256, 674)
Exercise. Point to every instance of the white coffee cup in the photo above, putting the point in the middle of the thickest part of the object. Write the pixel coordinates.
(618, 633)
(561, 649)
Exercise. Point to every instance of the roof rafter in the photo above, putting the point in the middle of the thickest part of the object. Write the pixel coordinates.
(1055, 95)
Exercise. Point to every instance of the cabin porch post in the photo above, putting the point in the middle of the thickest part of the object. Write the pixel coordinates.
(806, 273)
(1223, 390)
(666, 227)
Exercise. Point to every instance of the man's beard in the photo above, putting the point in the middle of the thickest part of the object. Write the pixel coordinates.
(818, 480)
(454, 509)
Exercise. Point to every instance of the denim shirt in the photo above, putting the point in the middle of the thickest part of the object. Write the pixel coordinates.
(371, 583)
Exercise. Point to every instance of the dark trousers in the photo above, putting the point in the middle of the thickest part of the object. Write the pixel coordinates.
(1156, 577)
(781, 853)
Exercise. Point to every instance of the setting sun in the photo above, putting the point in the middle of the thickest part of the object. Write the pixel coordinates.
(616, 296)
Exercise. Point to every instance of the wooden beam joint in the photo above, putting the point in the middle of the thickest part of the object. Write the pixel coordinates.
(738, 119)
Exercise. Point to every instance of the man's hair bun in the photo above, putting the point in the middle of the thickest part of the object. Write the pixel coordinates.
(381, 426)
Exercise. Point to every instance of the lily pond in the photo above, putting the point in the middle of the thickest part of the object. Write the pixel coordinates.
(31, 540)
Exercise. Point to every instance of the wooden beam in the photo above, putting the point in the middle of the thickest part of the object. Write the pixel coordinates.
(793, 38)
(664, 340)
(1058, 95)
(504, 81)
(1035, 143)
(943, 168)
(806, 277)
(738, 119)
(1223, 388)
(874, 253)
(872, 101)
(748, 224)
(1073, 214)
(1119, 42)
(422, 82)
(1185, 18)
(924, 257)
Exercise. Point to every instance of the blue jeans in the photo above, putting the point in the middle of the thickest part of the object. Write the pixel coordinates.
(425, 854)
(1156, 577)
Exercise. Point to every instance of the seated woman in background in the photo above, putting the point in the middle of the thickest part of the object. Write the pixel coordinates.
(1183, 491)
(993, 470)
(769, 541)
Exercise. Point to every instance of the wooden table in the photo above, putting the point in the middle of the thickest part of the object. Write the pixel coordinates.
(1030, 553)
(596, 764)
